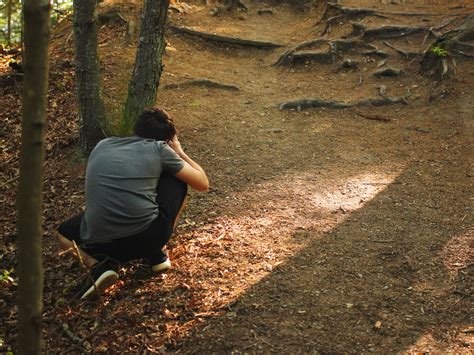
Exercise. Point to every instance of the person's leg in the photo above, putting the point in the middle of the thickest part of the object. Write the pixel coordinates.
(69, 232)
(102, 274)
(171, 197)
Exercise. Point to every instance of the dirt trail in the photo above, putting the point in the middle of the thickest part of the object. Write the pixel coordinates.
(324, 231)
(354, 228)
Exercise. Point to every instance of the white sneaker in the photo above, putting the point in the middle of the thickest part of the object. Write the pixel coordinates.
(165, 265)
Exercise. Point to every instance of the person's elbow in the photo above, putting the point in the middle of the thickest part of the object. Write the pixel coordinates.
(202, 185)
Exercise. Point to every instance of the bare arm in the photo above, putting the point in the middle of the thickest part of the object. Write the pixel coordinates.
(192, 173)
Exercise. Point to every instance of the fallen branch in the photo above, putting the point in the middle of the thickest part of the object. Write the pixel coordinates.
(319, 103)
(201, 82)
(224, 39)
(406, 54)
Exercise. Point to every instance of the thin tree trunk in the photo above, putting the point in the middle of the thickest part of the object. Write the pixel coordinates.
(91, 109)
(30, 197)
(143, 86)
(9, 21)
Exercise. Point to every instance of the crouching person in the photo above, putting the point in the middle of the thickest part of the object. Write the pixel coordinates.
(135, 190)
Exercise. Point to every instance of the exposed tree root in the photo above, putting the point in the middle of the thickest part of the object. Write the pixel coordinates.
(438, 59)
(406, 54)
(322, 16)
(285, 56)
(224, 39)
(314, 56)
(201, 82)
(336, 47)
(391, 31)
(317, 103)
(352, 12)
(340, 13)
(236, 4)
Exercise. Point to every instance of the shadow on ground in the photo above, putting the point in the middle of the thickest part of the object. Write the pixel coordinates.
(358, 289)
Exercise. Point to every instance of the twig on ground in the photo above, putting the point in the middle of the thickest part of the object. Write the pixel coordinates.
(81, 343)
(101, 301)
(462, 293)
(373, 118)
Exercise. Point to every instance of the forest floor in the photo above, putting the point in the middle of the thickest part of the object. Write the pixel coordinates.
(324, 231)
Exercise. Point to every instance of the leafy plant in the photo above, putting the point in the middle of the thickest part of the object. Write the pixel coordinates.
(6, 276)
(439, 51)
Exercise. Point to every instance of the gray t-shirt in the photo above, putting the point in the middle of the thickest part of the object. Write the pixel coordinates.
(121, 179)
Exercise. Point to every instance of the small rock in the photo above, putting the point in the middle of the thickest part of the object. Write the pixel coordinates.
(265, 11)
(382, 63)
(214, 11)
(242, 18)
(349, 64)
(388, 72)
(382, 90)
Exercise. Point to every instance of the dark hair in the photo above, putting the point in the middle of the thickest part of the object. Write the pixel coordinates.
(155, 123)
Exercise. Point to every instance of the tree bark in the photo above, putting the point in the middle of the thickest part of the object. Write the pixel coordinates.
(30, 197)
(91, 109)
(146, 75)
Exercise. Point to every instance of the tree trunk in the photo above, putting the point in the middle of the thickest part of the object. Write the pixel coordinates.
(9, 21)
(30, 197)
(143, 86)
(91, 109)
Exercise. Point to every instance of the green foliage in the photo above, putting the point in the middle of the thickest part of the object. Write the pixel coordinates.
(439, 51)
(6, 277)
(59, 10)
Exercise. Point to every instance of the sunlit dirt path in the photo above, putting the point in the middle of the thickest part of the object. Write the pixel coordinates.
(335, 233)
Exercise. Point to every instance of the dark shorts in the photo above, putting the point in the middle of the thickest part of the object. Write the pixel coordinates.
(148, 244)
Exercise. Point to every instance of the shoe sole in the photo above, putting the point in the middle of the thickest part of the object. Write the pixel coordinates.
(105, 280)
(165, 265)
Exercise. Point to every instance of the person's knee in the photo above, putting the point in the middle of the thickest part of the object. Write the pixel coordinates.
(64, 242)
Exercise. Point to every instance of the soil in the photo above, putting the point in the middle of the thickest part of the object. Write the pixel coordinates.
(324, 231)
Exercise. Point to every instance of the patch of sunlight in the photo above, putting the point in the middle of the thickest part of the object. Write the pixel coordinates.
(278, 219)
(427, 343)
(353, 193)
(458, 252)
